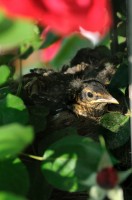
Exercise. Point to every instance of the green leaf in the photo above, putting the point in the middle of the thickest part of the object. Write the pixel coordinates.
(120, 79)
(37, 43)
(15, 32)
(90, 181)
(68, 50)
(69, 162)
(15, 102)
(122, 29)
(117, 130)
(106, 41)
(27, 49)
(50, 39)
(10, 196)
(114, 121)
(14, 177)
(12, 109)
(26, 52)
(122, 176)
(4, 74)
(14, 138)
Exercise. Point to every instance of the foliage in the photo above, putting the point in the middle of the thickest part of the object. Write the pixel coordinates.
(32, 161)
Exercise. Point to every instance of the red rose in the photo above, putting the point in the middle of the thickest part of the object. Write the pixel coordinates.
(64, 16)
(107, 178)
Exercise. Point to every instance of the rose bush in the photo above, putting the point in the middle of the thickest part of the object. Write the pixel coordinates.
(64, 16)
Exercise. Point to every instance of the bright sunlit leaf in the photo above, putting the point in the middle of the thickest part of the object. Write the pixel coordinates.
(69, 162)
(14, 138)
(15, 32)
(4, 74)
(13, 109)
(7, 195)
(117, 130)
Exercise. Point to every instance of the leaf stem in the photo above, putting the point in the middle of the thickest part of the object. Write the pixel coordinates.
(39, 158)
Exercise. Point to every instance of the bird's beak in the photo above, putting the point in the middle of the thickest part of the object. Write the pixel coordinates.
(107, 99)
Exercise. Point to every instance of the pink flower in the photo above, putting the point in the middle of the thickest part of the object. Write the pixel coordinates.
(65, 16)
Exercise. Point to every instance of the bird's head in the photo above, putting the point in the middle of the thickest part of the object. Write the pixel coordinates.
(92, 96)
(94, 92)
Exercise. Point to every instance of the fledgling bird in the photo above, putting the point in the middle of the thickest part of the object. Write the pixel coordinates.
(86, 101)
(71, 102)
(89, 97)
(60, 91)
(76, 95)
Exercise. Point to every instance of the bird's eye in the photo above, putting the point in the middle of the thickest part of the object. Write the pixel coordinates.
(89, 94)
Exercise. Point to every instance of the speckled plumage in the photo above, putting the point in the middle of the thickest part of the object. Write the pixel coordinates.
(75, 96)
(60, 91)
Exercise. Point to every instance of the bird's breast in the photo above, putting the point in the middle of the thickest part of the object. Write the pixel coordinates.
(89, 110)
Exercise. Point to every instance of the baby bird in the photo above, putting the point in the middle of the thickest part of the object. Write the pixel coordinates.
(59, 92)
(71, 101)
(86, 102)
(89, 97)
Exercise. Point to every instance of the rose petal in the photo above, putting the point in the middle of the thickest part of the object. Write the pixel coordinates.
(94, 37)
(64, 16)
